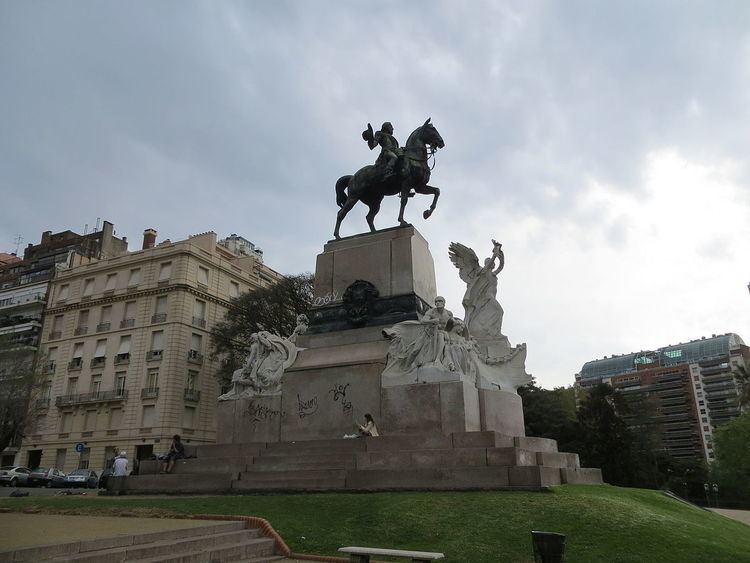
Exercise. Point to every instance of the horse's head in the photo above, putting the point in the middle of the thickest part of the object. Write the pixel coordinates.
(430, 135)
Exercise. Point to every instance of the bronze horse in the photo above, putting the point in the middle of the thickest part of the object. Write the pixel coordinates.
(370, 184)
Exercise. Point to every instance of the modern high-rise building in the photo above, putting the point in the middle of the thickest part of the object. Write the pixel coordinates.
(685, 390)
(125, 344)
(24, 284)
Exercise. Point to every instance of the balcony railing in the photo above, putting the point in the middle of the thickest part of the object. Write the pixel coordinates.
(149, 393)
(122, 359)
(127, 323)
(101, 327)
(158, 318)
(75, 364)
(192, 395)
(154, 355)
(199, 321)
(98, 397)
(80, 330)
(49, 367)
(98, 362)
(195, 357)
(42, 403)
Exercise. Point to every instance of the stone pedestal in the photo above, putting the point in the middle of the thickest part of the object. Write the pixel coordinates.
(395, 262)
(250, 420)
(501, 411)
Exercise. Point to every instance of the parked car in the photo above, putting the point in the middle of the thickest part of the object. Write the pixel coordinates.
(47, 477)
(82, 478)
(104, 477)
(14, 475)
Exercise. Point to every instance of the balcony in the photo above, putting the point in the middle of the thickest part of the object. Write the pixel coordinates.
(55, 335)
(101, 327)
(195, 357)
(75, 364)
(80, 330)
(154, 355)
(98, 362)
(121, 359)
(192, 395)
(97, 397)
(199, 321)
(127, 323)
(42, 403)
(158, 318)
(149, 393)
(49, 367)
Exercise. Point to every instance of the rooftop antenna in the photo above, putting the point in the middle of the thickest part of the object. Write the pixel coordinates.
(17, 239)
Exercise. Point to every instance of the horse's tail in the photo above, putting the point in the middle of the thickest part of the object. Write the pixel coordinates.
(341, 185)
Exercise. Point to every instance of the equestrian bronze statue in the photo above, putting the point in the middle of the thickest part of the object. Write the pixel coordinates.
(398, 170)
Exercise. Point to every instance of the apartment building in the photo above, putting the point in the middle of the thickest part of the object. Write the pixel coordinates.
(125, 344)
(24, 284)
(688, 389)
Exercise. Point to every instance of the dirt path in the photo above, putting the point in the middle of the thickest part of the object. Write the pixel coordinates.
(26, 530)
(739, 515)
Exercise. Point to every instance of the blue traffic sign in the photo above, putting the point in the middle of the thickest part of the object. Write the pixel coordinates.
(80, 446)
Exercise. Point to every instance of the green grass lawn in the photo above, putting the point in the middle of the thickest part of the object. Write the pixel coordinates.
(601, 523)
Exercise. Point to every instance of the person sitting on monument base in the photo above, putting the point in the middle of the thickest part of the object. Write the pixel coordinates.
(369, 429)
(176, 451)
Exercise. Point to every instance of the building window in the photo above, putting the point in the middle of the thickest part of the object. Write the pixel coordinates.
(196, 342)
(96, 385)
(128, 315)
(165, 271)
(72, 387)
(60, 456)
(57, 324)
(148, 417)
(202, 275)
(703, 411)
(135, 277)
(51, 360)
(123, 351)
(111, 282)
(105, 318)
(66, 422)
(120, 382)
(234, 289)
(199, 310)
(64, 292)
(115, 418)
(77, 360)
(157, 340)
(88, 287)
(101, 349)
(160, 310)
(152, 379)
(89, 422)
(192, 377)
(83, 322)
(189, 417)
(705, 428)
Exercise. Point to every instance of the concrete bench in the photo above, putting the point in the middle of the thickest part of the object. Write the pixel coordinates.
(362, 554)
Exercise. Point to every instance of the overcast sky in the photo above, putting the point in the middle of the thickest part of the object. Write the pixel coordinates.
(603, 143)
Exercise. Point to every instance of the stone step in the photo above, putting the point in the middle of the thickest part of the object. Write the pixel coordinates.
(300, 462)
(294, 473)
(164, 547)
(230, 450)
(211, 465)
(557, 459)
(535, 444)
(423, 478)
(483, 439)
(255, 550)
(422, 458)
(581, 476)
(313, 446)
(398, 442)
(291, 483)
(185, 483)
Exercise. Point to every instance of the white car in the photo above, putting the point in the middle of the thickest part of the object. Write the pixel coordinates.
(14, 475)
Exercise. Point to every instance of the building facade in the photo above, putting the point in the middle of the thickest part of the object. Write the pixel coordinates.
(125, 343)
(685, 390)
(24, 285)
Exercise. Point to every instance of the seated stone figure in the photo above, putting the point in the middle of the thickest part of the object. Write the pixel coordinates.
(268, 356)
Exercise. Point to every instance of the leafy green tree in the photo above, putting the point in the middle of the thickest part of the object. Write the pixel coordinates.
(273, 308)
(731, 467)
(551, 414)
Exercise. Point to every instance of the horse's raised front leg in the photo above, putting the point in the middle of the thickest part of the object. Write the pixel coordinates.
(350, 202)
(429, 190)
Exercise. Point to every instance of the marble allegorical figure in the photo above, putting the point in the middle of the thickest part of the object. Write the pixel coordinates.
(269, 355)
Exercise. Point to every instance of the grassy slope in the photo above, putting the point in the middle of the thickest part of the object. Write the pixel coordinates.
(602, 523)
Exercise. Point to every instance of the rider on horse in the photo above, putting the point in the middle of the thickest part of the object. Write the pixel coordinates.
(390, 149)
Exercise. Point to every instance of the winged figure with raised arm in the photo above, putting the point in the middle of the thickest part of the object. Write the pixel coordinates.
(484, 315)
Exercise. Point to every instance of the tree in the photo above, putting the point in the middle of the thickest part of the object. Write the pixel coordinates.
(273, 308)
(731, 467)
(551, 414)
(20, 383)
(743, 378)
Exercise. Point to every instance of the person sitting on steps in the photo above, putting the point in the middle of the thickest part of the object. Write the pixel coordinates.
(369, 429)
(176, 451)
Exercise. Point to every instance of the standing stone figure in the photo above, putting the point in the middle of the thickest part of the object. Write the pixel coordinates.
(484, 315)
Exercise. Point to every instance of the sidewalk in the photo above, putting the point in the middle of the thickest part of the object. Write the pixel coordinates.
(739, 515)
(27, 530)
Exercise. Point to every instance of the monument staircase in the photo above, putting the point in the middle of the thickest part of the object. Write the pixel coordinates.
(457, 461)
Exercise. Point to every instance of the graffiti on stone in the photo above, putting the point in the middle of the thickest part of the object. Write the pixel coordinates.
(258, 412)
(327, 299)
(308, 407)
(339, 395)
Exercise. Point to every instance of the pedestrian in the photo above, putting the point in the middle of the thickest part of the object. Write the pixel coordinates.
(176, 451)
(120, 465)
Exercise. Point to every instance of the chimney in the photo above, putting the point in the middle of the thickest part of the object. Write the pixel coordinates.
(149, 238)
